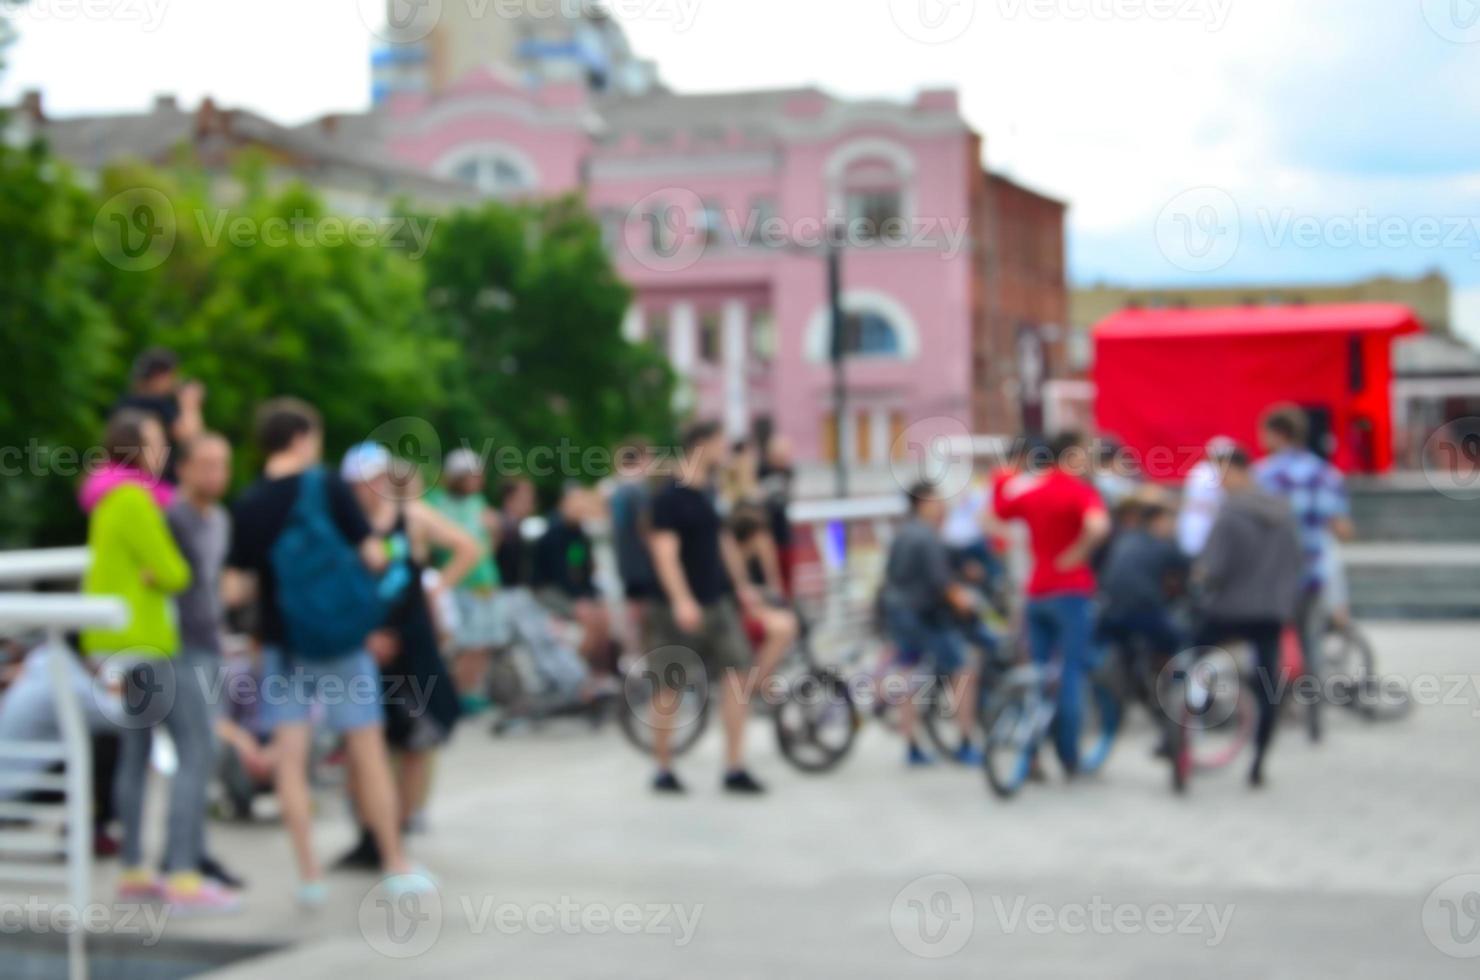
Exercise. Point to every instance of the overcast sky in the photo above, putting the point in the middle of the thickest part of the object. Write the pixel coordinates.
(1227, 140)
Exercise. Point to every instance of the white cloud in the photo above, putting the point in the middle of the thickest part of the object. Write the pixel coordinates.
(1116, 111)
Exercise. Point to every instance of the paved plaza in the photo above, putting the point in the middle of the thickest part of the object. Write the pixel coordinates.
(554, 861)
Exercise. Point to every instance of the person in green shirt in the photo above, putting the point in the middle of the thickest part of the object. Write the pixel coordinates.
(479, 626)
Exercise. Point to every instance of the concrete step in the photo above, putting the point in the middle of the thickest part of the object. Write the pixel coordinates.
(1410, 509)
(1414, 581)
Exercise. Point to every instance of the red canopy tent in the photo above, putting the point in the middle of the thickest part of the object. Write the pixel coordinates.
(1167, 381)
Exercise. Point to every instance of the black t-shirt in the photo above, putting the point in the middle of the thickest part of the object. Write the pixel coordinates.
(512, 555)
(691, 515)
(562, 560)
(258, 519)
(165, 408)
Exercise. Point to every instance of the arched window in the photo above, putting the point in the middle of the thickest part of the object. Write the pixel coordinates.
(496, 170)
(875, 325)
(492, 175)
(870, 334)
(873, 196)
(871, 185)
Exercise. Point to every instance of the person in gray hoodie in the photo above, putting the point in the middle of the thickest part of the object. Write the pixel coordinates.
(1250, 573)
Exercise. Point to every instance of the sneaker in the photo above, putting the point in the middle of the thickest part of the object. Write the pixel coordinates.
(417, 881)
(917, 758)
(743, 783)
(667, 782)
(191, 892)
(312, 895)
(969, 755)
(474, 704)
(214, 870)
(138, 885)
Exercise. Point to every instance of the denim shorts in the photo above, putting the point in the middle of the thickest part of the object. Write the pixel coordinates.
(347, 690)
(917, 639)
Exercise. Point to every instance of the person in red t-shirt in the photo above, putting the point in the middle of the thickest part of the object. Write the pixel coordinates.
(1066, 523)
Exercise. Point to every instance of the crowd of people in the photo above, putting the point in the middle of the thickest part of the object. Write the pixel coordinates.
(344, 599)
(383, 613)
(1119, 567)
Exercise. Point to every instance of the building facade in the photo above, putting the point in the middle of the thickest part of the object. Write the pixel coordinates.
(426, 48)
(720, 210)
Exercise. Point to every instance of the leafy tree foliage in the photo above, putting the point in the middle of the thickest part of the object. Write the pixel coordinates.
(507, 332)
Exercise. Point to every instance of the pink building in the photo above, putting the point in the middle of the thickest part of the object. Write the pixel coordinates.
(717, 208)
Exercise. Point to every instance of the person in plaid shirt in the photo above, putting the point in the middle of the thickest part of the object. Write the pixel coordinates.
(1316, 493)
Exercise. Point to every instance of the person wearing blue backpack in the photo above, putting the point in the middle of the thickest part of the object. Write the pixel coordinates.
(302, 548)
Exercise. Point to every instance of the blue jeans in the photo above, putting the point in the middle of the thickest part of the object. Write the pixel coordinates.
(1063, 625)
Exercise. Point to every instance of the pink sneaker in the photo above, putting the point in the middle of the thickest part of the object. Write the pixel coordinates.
(186, 893)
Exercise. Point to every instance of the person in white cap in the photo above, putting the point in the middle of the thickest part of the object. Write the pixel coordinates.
(461, 500)
(420, 705)
(1202, 496)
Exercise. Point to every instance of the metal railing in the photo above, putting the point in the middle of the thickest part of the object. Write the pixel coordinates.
(30, 851)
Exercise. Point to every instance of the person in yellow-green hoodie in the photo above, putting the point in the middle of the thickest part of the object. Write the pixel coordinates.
(134, 557)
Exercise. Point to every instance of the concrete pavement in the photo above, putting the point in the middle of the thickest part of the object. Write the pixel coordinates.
(553, 861)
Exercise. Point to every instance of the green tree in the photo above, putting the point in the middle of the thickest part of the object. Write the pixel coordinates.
(56, 338)
(270, 297)
(509, 330)
(530, 297)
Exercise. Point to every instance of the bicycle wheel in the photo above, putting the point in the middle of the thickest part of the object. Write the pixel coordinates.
(1382, 698)
(1212, 712)
(1011, 723)
(937, 711)
(636, 715)
(817, 723)
(1346, 655)
(1351, 670)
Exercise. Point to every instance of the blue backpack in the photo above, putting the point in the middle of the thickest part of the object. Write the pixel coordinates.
(329, 600)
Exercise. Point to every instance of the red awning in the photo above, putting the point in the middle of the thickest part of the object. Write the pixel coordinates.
(1248, 321)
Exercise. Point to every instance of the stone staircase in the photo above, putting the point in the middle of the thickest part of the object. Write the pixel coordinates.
(1418, 556)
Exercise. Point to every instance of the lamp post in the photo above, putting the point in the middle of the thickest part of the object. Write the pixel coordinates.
(837, 354)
